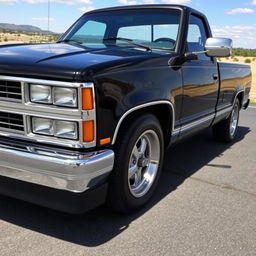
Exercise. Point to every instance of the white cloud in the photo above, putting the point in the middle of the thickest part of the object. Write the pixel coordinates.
(243, 36)
(176, 1)
(128, 2)
(136, 2)
(8, 1)
(149, 2)
(44, 19)
(69, 2)
(86, 8)
(253, 2)
(90, 2)
(239, 10)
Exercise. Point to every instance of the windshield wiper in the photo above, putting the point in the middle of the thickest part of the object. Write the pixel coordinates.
(128, 41)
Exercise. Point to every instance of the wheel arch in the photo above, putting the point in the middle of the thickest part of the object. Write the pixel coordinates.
(163, 110)
(240, 97)
(239, 94)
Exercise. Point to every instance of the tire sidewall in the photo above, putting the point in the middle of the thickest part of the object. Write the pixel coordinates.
(237, 104)
(138, 127)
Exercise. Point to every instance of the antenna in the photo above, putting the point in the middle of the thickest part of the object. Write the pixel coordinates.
(49, 8)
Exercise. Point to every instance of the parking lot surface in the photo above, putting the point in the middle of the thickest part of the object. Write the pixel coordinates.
(205, 205)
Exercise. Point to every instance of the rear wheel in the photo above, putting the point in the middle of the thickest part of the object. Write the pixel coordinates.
(225, 130)
(138, 161)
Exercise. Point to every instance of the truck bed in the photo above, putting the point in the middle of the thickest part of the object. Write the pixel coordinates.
(231, 74)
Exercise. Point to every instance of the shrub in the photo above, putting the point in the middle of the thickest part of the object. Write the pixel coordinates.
(247, 61)
(244, 52)
(236, 59)
(6, 39)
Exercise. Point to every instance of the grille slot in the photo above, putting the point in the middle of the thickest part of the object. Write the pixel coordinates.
(11, 121)
(10, 90)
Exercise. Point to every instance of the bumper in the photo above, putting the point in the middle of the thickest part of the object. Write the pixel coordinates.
(58, 169)
(56, 199)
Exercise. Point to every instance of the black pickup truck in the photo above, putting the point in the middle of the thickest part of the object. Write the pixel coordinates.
(86, 120)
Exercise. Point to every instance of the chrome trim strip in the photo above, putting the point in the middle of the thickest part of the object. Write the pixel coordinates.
(194, 124)
(40, 81)
(197, 123)
(221, 112)
(27, 109)
(228, 108)
(176, 132)
(8, 130)
(88, 115)
(140, 107)
(52, 141)
(30, 111)
(64, 170)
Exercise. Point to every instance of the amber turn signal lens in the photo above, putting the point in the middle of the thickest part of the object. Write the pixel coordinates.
(88, 131)
(105, 141)
(87, 99)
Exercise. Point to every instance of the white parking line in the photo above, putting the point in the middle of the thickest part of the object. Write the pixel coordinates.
(252, 106)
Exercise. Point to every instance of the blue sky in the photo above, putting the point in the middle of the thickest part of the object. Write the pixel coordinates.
(228, 18)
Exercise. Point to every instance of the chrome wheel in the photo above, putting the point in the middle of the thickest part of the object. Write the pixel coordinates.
(234, 120)
(225, 130)
(144, 163)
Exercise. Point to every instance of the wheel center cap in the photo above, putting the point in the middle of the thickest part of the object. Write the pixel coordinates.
(143, 162)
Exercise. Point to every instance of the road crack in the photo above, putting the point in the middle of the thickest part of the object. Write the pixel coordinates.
(224, 186)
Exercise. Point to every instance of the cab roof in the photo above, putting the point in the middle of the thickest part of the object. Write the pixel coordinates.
(147, 6)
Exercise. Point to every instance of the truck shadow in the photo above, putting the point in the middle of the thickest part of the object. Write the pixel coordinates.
(100, 225)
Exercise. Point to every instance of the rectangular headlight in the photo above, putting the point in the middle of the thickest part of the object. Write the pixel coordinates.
(56, 128)
(40, 93)
(64, 129)
(65, 97)
(42, 126)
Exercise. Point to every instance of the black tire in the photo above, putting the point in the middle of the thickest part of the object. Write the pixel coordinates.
(122, 194)
(224, 131)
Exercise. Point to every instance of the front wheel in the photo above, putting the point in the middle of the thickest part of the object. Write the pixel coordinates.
(225, 130)
(138, 161)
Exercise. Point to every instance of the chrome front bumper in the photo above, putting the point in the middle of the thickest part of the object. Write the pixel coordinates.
(58, 169)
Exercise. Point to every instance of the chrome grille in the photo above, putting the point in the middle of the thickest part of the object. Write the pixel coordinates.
(10, 121)
(15, 106)
(10, 90)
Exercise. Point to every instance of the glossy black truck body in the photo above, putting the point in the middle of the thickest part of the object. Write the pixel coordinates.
(186, 96)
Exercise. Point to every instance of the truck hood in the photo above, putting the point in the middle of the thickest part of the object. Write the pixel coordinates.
(60, 60)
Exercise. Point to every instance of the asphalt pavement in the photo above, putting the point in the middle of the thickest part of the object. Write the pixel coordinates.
(205, 205)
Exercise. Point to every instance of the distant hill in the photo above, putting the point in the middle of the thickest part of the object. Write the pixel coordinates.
(22, 28)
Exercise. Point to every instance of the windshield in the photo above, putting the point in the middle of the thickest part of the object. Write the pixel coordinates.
(154, 28)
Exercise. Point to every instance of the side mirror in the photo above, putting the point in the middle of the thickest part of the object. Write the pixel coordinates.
(218, 47)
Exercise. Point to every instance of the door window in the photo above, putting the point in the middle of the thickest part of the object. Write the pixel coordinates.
(197, 37)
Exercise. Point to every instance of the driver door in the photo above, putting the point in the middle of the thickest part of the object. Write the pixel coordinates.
(200, 81)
